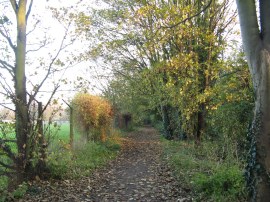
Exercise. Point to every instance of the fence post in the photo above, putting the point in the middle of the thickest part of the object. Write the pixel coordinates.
(71, 124)
(41, 140)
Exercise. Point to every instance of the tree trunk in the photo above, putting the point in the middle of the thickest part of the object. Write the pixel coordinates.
(201, 124)
(41, 166)
(259, 156)
(22, 117)
(87, 130)
(102, 134)
(256, 41)
(166, 122)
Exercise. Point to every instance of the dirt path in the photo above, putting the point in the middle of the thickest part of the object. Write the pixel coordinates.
(138, 174)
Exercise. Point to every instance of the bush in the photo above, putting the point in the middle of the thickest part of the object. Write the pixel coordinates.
(92, 113)
(59, 163)
(16, 194)
(20, 191)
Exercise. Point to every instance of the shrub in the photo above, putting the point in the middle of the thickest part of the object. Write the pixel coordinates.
(59, 163)
(92, 114)
(20, 191)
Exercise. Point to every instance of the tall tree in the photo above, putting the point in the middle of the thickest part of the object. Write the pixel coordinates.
(172, 46)
(256, 41)
(28, 119)
(20, 100)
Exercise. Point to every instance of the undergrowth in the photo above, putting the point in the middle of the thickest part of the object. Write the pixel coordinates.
(67, 163)
(203, 171)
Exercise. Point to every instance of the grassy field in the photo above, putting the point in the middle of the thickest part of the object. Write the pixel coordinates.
(60, 135)
(63, 133)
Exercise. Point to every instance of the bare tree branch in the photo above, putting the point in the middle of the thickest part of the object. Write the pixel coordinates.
(5, 85)
(34, 27)
(4, 105)
(49, 71)
(29, 10)
(14, 5)
(5, 35)
(6, 148)
(67, 103)
(50, 99)
(40, 47)
(6, 65)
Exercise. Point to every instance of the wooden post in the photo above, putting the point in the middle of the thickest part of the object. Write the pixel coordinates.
(41, 140)
(71, 127)
(71, 124)
(40, 119)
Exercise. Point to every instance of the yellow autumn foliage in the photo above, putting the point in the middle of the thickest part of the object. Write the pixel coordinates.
(92, 113)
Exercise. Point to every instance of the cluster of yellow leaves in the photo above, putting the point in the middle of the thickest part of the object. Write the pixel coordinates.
(92, 112)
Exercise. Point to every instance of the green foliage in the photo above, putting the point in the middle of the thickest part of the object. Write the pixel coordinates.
(92, 156)
(170, 63)
(16, 194)
(205, 171)
(59, 163)
(226, 183)
(20, 191)
(83, 160)
(7, 133)
(230, 110)
(3, 184)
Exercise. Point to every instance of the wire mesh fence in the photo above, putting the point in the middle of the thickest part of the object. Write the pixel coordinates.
(7, 134)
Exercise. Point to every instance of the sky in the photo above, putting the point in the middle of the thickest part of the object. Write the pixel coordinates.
(57, 31)
(53, 31)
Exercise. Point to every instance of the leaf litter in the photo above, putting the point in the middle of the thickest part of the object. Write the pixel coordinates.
(137, 174)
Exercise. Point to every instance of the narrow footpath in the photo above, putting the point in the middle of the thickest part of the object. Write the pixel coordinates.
(138, 174)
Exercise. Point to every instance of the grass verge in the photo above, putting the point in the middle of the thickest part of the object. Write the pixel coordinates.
(66, 163)
(201, 170)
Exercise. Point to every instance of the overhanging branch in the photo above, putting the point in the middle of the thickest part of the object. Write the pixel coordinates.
(14, 5)
(29, 10)
(5, 35)
(49, 71)
(6, 148)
